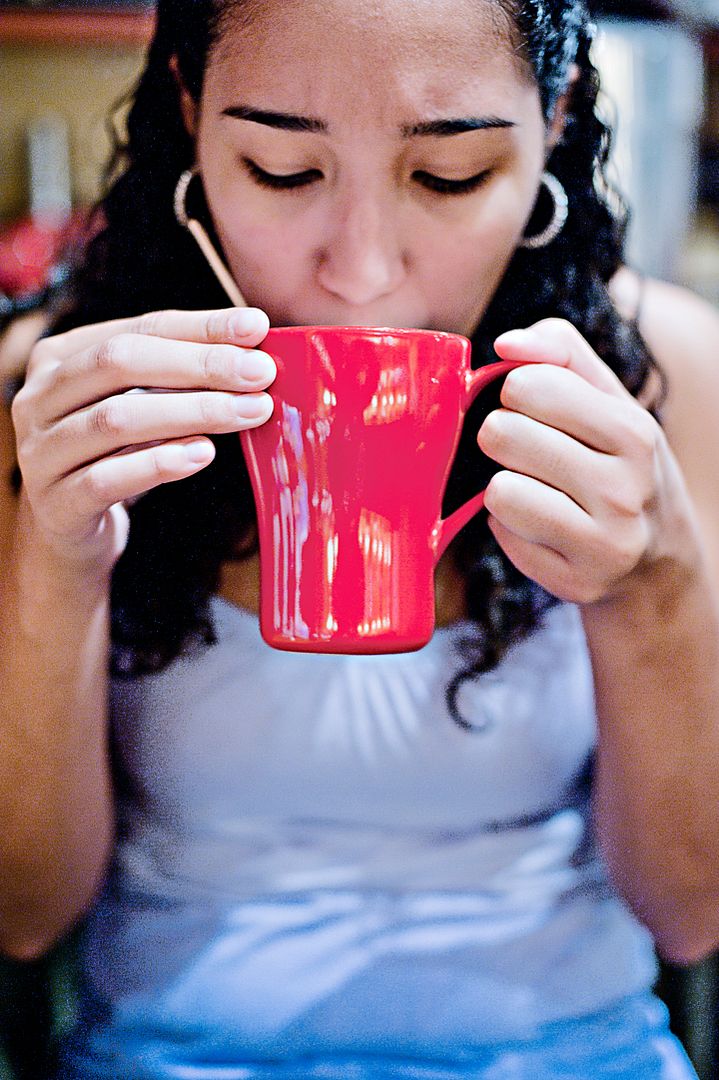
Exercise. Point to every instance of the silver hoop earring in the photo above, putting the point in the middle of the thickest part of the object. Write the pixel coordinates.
(559, 215)
(181, 196)
(203, 241)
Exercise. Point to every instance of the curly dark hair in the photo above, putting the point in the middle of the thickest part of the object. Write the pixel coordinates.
(142, 260)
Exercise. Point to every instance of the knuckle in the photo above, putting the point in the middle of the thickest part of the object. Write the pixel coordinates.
(107, 418)
(41, 354)
(157, 469)
(151, 322)
(623, 499)
(28, 450)
(114, 353)
(216, 363)
(636, 431)
(645, 433)
(97, 487)
(19, 408)
(216, 326)
(162, 464)
(24, 417)
(628, 492)
(215, 409)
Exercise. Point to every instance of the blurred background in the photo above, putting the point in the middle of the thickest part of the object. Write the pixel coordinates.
(64, 70)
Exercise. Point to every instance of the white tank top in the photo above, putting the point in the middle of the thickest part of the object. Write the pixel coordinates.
(310, 849)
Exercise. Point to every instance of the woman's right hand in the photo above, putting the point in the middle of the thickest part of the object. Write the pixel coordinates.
(87, 445)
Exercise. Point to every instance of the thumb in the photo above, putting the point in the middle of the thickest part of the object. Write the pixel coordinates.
(556, 341)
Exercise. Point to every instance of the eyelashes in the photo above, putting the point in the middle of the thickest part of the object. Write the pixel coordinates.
(281, 183)
(442, 186)
(292, 181)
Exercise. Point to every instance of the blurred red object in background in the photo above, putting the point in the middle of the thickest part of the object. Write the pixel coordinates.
(31, 249)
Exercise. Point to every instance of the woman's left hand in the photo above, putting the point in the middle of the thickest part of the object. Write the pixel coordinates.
(591, 493)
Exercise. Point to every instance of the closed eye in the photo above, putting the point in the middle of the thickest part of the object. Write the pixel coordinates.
(281, 182)
(442, 186)
(290, 181)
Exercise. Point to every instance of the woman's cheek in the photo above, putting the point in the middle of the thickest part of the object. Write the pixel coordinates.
(269, 268)
(254, 246)
(465, 280)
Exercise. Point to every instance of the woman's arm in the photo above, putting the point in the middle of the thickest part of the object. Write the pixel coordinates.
(86, 447)
(55, 792)
(54, 776)
(604, 510)
(656, 660)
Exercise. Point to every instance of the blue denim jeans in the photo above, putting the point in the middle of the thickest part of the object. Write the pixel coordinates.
(629, 1041)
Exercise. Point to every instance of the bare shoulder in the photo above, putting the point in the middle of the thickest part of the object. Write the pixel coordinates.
(681, 330)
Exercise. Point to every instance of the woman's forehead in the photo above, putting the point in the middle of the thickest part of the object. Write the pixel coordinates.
(408, 15)
(437, 49)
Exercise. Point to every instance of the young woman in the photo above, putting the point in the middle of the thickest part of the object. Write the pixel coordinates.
(450, 863)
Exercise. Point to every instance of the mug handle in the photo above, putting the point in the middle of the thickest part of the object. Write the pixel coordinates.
(447, 528)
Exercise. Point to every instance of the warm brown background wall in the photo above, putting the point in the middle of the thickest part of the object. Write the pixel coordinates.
(78, 82)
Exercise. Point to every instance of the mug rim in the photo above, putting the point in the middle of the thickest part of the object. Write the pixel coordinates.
(402, 331)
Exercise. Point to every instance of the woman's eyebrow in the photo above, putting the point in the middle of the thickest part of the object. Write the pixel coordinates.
(283, 121)
(456, 126)
(437, 128)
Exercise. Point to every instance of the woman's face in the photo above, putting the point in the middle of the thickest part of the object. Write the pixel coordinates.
(370, 162)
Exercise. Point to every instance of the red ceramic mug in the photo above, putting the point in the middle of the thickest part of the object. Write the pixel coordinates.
(348, 477)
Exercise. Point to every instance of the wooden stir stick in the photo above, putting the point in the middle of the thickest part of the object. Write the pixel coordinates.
(204, 243)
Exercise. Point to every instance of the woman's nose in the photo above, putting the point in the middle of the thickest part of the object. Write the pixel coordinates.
(362, 259)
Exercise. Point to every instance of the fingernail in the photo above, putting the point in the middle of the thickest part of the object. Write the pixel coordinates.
(246, 321)
(199, 453)
(256, 366)
(255, 406)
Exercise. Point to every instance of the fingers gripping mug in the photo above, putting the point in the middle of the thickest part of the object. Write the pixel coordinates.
(348, 477)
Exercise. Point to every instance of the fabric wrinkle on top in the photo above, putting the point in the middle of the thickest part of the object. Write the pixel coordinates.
(313, 858)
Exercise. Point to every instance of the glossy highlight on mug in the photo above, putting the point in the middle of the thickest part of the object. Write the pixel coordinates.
(348, 477)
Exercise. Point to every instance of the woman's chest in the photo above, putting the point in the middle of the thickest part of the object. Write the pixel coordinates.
(242, 732)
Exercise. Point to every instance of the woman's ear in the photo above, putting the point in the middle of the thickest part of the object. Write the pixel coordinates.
(188, 105)
(561, 109)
